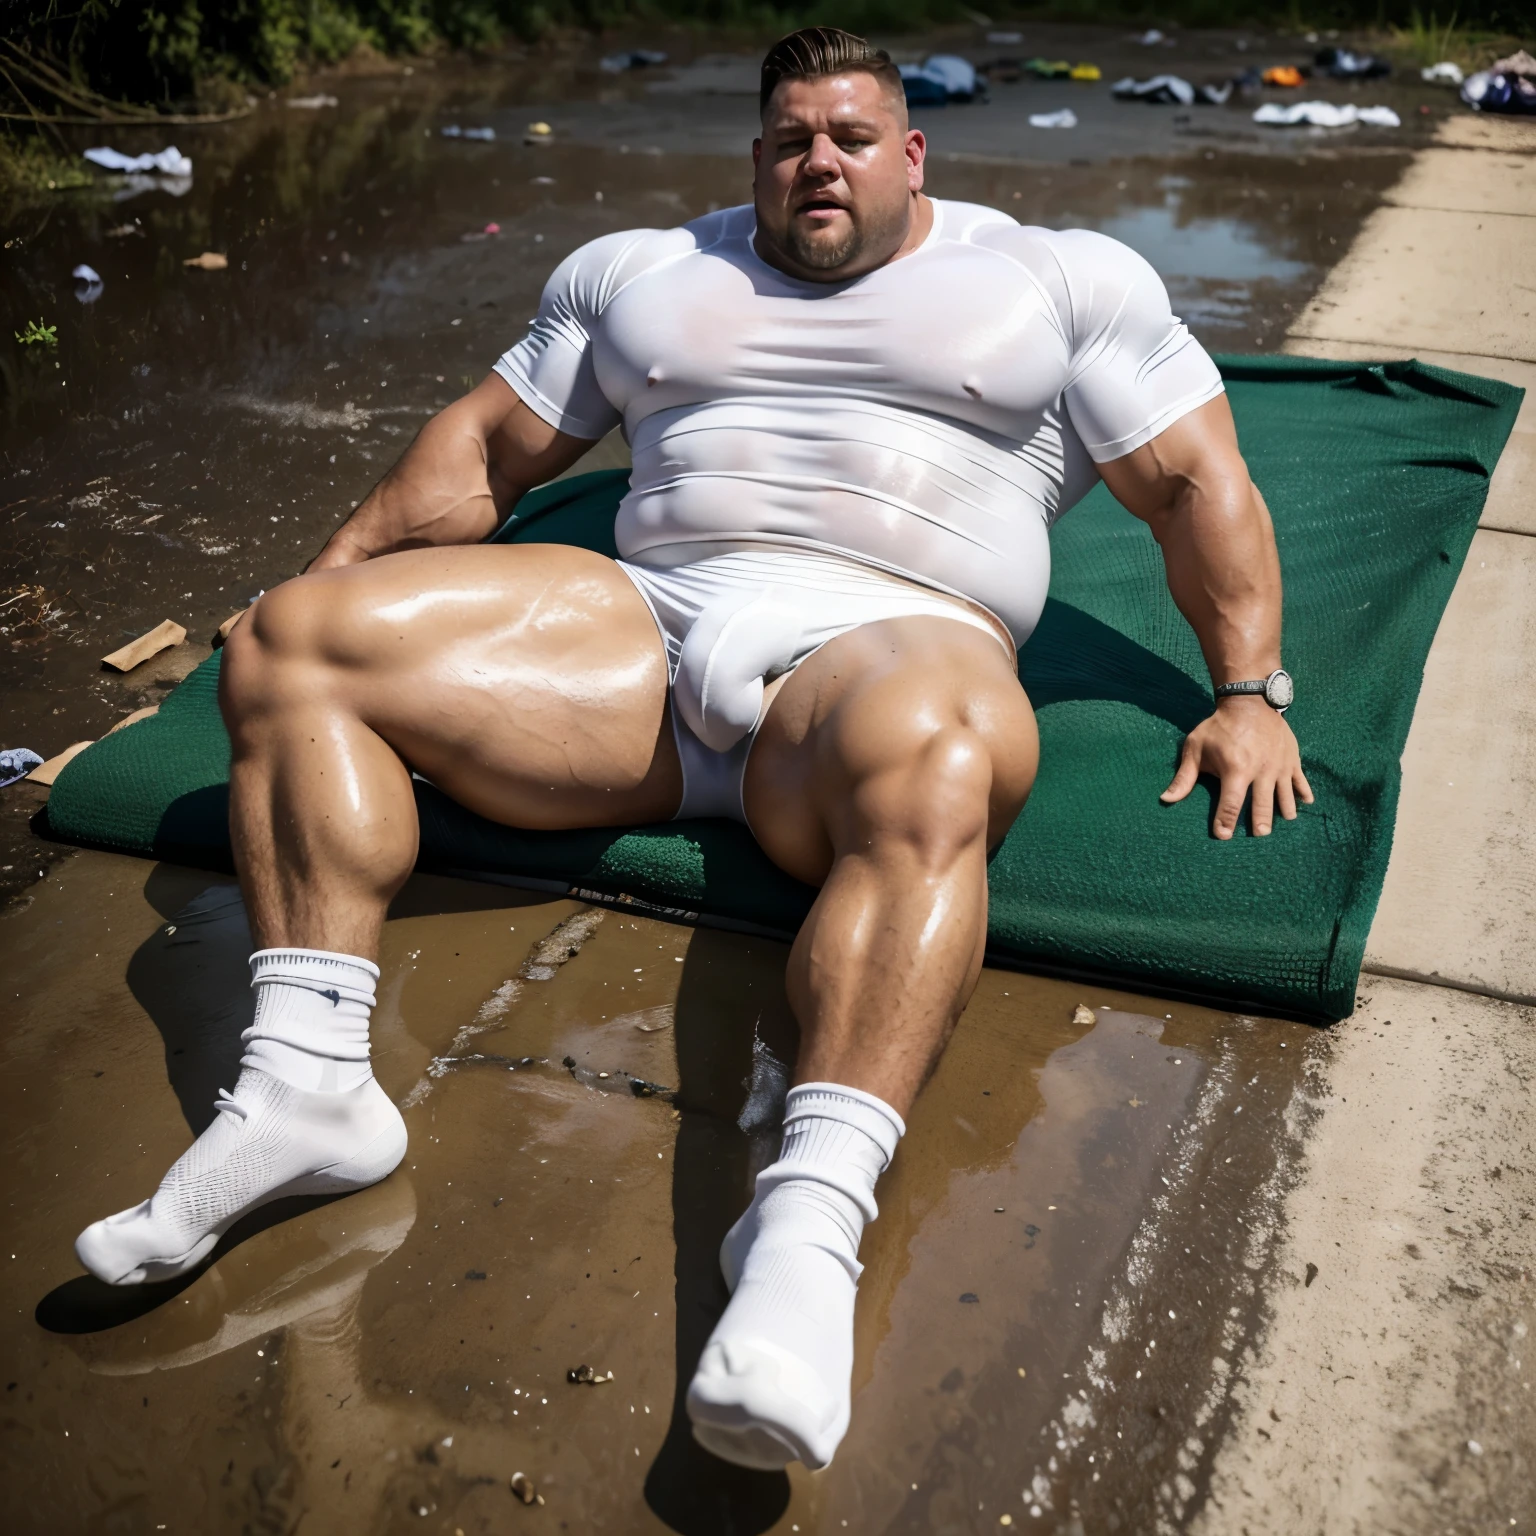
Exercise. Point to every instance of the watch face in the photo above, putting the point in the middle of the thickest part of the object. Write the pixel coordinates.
(1279, 690)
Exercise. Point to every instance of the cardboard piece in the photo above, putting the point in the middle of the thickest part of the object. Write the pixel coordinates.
(162, 637)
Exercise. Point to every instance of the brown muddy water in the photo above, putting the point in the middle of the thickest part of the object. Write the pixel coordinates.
(1057, 1294)
(1066, 1272)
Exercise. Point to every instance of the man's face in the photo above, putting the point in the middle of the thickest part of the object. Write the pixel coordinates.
(836, 173)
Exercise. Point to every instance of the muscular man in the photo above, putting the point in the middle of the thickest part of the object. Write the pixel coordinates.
(854, 413)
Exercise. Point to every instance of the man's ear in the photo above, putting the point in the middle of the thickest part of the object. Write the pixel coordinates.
(757, 152)
(916, 149)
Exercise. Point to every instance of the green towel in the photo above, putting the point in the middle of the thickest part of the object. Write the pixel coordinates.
(1375, 474)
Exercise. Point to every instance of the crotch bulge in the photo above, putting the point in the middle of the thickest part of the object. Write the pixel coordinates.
(736, 642)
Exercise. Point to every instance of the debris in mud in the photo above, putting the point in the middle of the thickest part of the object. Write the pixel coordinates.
(586, 1376)
(161, 638)
(208, 261)
(453, 131)
(439, 1066)
(313, 103)
(633, 58)
(122, 231)
(1311, 1275)
(538, 133)
(969, 1296)
(1066, 118)
(16, 763)
(56, 765)
(522, 1486)
(1083, 1015)
(169, 161)
(474, 1274)
(612, 1082)
(88, 284)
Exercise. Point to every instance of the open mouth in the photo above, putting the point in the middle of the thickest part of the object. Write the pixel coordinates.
(820, 208)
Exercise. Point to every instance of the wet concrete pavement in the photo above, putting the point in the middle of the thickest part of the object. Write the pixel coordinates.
(1091, 1286)
(1065, 1258)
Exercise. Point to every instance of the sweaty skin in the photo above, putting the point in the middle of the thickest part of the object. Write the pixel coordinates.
(529, 682)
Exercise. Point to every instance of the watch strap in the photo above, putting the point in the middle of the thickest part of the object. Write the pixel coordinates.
(1253, 685)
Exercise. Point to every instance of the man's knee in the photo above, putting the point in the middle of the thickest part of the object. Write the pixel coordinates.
(931, 790)
(284, 642)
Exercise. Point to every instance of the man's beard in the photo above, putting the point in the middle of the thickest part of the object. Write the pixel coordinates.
(822, 255)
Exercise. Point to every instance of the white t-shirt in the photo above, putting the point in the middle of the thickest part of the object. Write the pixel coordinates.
(932, 417)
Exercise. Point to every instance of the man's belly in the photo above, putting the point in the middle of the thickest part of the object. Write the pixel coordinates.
(905, 492)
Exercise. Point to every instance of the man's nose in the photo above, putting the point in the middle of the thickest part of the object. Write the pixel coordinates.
(822, 159)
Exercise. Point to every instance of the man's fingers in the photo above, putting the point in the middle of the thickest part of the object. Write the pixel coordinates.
(1302, 786)
(1285, 798)
(1234, 790)
(1261, 811)
(1184, 779)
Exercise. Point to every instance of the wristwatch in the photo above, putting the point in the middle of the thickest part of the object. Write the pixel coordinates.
(1277, 690)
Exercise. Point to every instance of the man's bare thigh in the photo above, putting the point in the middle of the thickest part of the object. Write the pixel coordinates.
(527, 681)
(863, 701)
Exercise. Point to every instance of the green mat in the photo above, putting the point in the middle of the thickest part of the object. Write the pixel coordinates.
(1375, 474)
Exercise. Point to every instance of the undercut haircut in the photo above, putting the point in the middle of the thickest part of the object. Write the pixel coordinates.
(813, 53)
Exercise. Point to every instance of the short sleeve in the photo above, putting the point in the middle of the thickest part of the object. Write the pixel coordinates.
(1135, 368)
(551, 368)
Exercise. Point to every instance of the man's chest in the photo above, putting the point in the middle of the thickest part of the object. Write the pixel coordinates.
(965, 336)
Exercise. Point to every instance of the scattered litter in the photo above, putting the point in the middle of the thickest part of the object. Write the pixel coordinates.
(1160, 90)
(539, 133)
(969, 1296)
(1049, 69)
(1444, 73)
(50, 770)
(453, 131)
(1286, 75)
(88, 283)
(1344, 64)
(1085, 72)
(474, 1274)
(482, 234)
(17, 763)
(586, 1376)
(1066, 118)
(543, 181)
(313, 103)
(523, 1487)
(122, 231)
(1327, 114)
(1002, 39)
(946, 72)
(1151, 38)
(634, 58)
(1082, 1014)
(169, 162)
(209, 261)
(1508, 85)
(161, 638)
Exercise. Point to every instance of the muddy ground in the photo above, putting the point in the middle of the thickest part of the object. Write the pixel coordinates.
(1082, 1235)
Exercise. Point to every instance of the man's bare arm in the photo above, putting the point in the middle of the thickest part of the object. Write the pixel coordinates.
(458, 480)
(1192, 488)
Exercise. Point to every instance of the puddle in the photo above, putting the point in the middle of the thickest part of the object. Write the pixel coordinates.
(1077, 1202)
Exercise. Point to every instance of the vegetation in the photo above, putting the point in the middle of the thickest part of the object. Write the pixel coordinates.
(37, 334)
(103, 59)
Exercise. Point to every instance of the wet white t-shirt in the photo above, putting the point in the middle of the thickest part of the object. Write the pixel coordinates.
(933, 417)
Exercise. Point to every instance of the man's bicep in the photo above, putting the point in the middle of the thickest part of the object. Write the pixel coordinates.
(1199, 448)
(522, 448)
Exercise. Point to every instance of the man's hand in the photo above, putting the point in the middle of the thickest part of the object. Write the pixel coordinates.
(1247, 746)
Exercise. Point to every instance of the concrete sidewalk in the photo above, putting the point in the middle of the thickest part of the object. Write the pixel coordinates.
(1390, 1390)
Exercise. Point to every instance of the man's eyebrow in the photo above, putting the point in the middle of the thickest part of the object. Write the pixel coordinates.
(838, 125)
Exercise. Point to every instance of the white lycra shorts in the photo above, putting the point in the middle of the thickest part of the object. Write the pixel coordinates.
(732, 622)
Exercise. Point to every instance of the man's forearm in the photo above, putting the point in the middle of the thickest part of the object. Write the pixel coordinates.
(1224, 573)
(439, 493)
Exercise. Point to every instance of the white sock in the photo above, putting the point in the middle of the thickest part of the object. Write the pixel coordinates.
(311, 1028)
(773, 1382)
(306, 1117)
